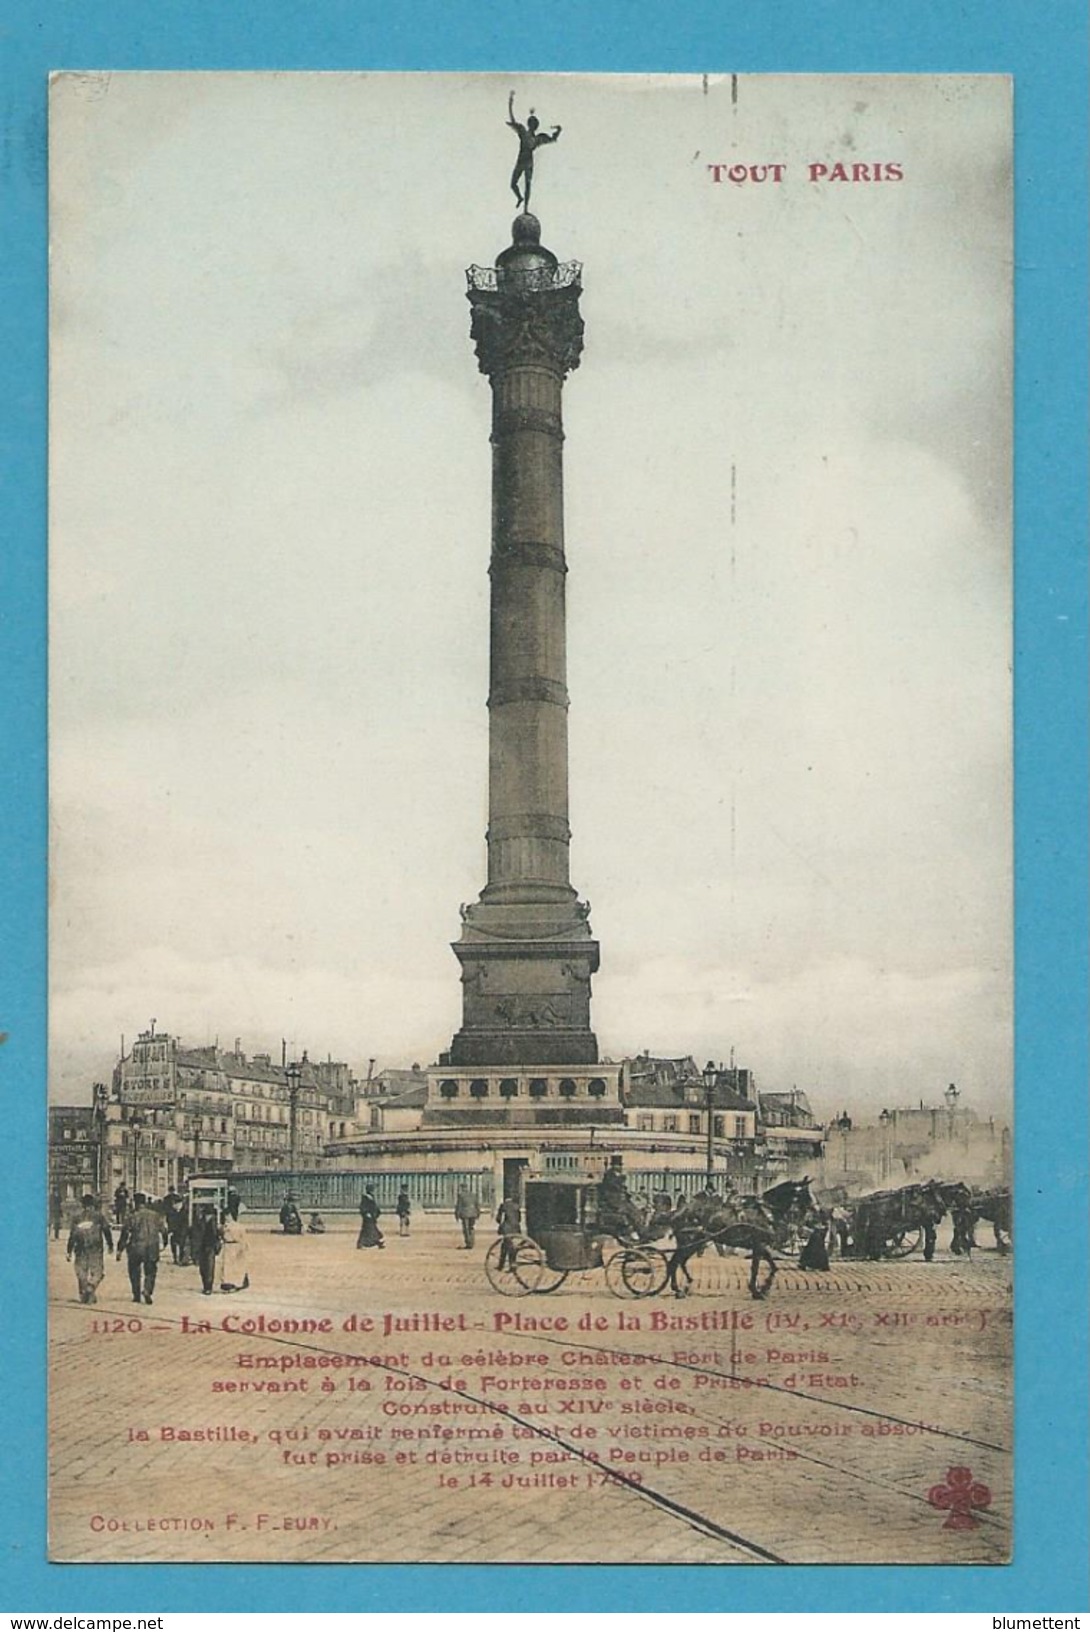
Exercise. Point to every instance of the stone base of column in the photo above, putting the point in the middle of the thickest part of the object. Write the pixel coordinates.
(528, 1099)
(522, 1048)
(526, 974)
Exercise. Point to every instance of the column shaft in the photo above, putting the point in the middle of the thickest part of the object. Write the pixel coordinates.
(528, 834)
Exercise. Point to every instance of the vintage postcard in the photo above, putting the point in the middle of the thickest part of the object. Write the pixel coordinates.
(473, 498)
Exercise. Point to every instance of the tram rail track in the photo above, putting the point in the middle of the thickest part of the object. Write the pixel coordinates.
(749, 1547)
(703, 1523)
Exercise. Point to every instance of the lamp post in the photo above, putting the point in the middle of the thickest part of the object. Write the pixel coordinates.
(98, 1124)
(136, 1122)
(295, 1076)
(951, 1097)
(711, 1077)
(886, 1163)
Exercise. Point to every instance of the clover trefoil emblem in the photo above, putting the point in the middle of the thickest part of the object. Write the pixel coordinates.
(959, 1496)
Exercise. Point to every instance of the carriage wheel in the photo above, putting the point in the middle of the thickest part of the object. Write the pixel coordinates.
(636, 1272)
(551, 1279)
(523, 1270)
(645, 1271)
(905, 1242)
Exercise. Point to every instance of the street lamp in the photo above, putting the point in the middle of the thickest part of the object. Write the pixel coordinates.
(711, 1077)
(98, 1123)
(136, 1122)
(295, 1076)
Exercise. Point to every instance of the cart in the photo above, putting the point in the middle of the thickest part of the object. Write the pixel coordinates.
(890, 1223)
(562, 1236)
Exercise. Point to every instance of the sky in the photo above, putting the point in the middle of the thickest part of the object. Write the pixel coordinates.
(787, 489)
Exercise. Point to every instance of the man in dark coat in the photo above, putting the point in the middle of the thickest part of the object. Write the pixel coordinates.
(467, 1210)
(174, 1210)
(205, 1240)
(964, 1220)
(509, 1219)
(617, 1213)
(142, 1233)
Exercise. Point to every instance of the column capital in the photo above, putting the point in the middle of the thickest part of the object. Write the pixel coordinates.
(516, 325)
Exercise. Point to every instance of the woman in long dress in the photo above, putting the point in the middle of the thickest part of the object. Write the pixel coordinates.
(370, 1235)
(234, 1260)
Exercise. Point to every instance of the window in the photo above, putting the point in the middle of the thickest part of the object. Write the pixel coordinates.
(538, 1087)
(669, 1124)
(448, 1089)
(739, 1127)
(478, 1088)
(694, 1124)
(645, 1124)
(509, 1088)
(720, 1127)
(567, 1088)
(596, 1088)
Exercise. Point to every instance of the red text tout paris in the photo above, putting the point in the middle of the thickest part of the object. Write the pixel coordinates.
(742, 175)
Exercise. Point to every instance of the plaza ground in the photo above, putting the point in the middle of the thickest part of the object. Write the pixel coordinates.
(420, 1417)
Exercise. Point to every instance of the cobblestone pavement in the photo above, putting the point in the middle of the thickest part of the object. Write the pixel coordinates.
(415, 1415)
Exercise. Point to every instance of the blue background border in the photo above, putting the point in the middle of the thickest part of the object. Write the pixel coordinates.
(1045, 47)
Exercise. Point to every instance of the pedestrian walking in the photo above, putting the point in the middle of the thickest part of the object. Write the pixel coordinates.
(204, 1244)
(509, 1219)
(121, 1202)
(141, 1235)
(174, 1211)
(56, 1214)
(815, 1254)
(370, 1235)
(964, 1220)
(467, 1211)
(403, 1208)
(235, 1260)
(89, 1233)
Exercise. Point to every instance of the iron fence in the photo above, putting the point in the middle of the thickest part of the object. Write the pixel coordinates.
(339, 1192)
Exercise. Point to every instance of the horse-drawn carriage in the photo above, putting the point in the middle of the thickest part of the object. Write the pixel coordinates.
(564, 1234)
(574, 1224)
(893, 1223)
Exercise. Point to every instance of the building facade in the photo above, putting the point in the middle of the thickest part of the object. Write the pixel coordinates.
(173, 1111)
(906, 1144)
(76, 1149)
(793, 1135)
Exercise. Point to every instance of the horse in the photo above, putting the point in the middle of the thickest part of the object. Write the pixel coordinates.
(995, 1206)
(707, 1219)
(880, 1220)
(792, 1208)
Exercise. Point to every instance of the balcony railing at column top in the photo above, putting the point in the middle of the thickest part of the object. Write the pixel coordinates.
(527, 280)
